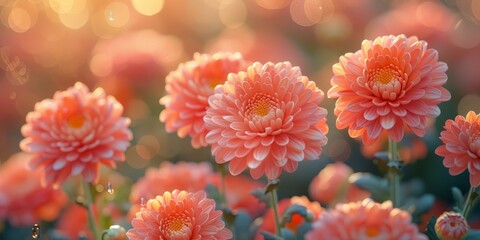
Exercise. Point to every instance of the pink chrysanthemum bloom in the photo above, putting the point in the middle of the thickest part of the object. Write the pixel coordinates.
(179, 215)
(461, 149)
(365, 220)
(23, 201)
(188, 90)
(393, 82)
(74, 133)
(267, 119)
(331, 185)
(268, 224)
(186, 176)
(451, 226)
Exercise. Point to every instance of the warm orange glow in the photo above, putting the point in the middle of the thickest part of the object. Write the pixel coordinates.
(233, 13)
(74, 20)
(273, 4)
(101, 65)
(19, 20)
(117, 14)
(148, 7)
(76, 121)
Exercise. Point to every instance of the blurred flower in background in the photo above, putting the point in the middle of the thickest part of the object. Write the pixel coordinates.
(128, 47)
(365, 219)
(331, 185)
(23, 200)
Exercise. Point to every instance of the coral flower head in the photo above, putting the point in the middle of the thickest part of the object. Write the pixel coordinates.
(461, 146)
(451, 226)
(392, 82)
(188, 90)
(267, 119)
(74, 133)
(365, 220)
(23, 201)
(188, 176)
(331, 185)
(179, 215)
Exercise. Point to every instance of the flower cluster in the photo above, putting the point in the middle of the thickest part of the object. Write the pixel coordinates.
(266, 118)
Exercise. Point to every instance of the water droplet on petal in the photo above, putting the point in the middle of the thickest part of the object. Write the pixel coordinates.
(36, 231)
(110, 16)
(110, 188)
(142, 202)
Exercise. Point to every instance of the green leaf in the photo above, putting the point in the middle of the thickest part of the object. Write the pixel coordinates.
(213, 193)
(270, 236)
(424, 203)
(242, 226)
(430, 232)
(261, 196)
(296, 209)
(472, 235)
(458, 197)
(377, 186)
(272, 185)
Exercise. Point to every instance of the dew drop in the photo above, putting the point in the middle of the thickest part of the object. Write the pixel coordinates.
(142, 202)
(36, 231)
(110, 189)
(110, 16)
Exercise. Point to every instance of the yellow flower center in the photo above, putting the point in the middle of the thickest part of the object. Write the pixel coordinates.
(175, 225)
(214, 82)
(76, 121)
(384, 75)
(261, 107)
(372, 232)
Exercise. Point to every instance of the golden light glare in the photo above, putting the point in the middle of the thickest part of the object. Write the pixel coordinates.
(148, 7)
(74, 20)
(298, 14)
(233, 14)
(117, 14)
(310, 12)
(469, 103)
(61, 6)
(101, 27)
(273, 4)
(318, 11)
(19, 20)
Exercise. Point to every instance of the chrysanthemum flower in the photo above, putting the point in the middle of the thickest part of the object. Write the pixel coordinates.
(186, 176)
(391, 83)
(365, 220)
(461, 149)
(23, 201)
(74, 133)
(188, 90)
(267, 119)
(451, 226)
(331, 185)
(268, 224)
(179, 215)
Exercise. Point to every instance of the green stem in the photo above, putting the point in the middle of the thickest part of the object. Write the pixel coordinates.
(89, 205)
(223, 188)
(274, 203)
(468, 203)
(393, 175)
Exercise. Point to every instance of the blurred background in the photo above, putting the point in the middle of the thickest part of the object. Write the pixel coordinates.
(129, 46)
